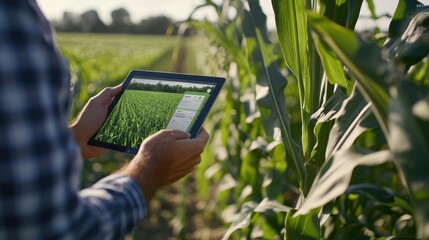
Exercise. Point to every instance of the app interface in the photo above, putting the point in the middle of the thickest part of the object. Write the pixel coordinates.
(149, 105)
(187, 110)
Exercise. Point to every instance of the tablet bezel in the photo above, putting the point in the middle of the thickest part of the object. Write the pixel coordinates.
(164, 76)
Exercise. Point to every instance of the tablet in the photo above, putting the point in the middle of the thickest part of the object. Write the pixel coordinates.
(151, 101)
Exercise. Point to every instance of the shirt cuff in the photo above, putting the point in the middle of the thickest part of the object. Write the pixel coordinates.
(120, 189)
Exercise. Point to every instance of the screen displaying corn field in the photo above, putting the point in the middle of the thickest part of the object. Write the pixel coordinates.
(147, 106)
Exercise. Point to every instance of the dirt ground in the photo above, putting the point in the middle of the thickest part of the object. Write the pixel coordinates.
(163, 223)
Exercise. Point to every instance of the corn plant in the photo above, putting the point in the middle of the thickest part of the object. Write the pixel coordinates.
(323, 132)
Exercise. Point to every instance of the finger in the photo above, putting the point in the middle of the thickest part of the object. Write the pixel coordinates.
(115, 90)
(194, 146)
(176, 134)
(203, 136)
(106, 95)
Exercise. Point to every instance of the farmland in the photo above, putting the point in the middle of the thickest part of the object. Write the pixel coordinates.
(318, 135)
(98, 61)
(101, 60)
(137, 115)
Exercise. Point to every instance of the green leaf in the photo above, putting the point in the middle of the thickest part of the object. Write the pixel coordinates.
(324, 118)
(343, 12)
(334, 69)
(413, 45)
(371, 8)
(303, 227)
(292, 31)
(349, 124)
(409, 141)
(352, 232)
(364, 61)
(401, 17)
(380, 195)
(242, 219)
(270, 85)
(224, 35)
(249, 170)
(334, 177)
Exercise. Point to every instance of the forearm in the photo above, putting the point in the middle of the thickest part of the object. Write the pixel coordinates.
(79, 137)
(112, 207)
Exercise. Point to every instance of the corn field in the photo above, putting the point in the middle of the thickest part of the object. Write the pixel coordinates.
(138, 115)
(322, 132)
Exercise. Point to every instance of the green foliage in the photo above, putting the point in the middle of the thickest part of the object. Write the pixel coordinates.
(137, 115)
(318, 134)
(355, 169)
(99, 61)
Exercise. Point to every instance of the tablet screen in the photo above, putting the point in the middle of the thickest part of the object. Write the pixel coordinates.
(154, 101)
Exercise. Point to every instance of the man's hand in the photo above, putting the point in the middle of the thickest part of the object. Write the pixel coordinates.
(164, 158)
(91, 118)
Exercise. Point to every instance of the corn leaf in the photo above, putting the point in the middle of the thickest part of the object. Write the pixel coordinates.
(345, 12)
(335, 175)
(409, 141)
(243, 218)
(371, 7)
(364, 62)
(303, 227)
(270, 85)
(380, 196)
(324, 119)
(249, 170)
(352, 232)
(413, 45)
(349, 124)
(293, 36)
(401, 17)
(334, 69)
(297, 50)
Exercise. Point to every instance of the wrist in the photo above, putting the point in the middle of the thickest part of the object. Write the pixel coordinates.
(76, 134)
(80, 140)
(146, 184)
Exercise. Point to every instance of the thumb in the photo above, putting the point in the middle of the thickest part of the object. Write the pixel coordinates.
(177, 134)
(107, 95)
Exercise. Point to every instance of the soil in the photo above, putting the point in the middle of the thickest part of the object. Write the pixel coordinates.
(162, 222)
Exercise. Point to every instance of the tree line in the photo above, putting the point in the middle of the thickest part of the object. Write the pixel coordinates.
(159, 87)
(90, 22)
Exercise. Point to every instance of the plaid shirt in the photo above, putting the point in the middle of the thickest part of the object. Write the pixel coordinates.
(40, 162)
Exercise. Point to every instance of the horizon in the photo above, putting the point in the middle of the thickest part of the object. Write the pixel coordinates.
(180, 10)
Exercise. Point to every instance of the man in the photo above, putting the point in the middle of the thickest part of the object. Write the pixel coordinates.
(40, 155)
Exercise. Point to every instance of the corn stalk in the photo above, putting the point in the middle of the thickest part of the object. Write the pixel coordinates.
(312, 173)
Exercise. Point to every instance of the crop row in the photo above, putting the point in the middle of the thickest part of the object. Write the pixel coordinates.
(137, 115)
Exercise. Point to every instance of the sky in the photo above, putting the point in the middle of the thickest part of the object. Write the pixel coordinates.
(180, 9)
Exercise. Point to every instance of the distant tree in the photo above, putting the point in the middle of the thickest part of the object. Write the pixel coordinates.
(69, 23)
(155, 25)
(121, 21)
(91, 22)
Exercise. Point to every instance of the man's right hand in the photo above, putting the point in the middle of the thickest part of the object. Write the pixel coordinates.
(164, 158)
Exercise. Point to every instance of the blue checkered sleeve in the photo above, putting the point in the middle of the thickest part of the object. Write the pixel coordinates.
(40, 162)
